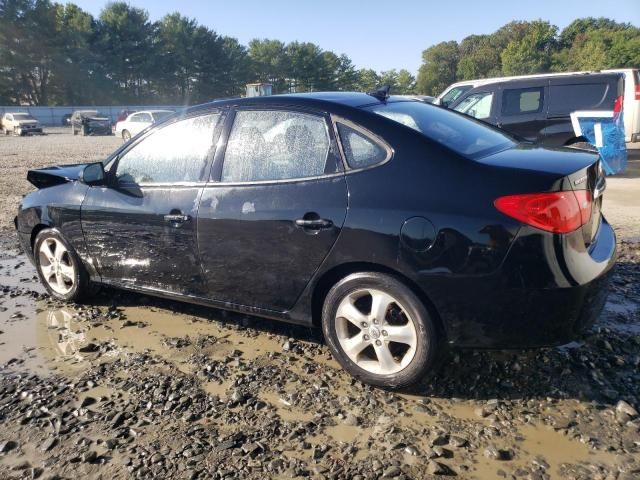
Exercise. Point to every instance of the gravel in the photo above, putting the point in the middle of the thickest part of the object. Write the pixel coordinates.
(136, 387)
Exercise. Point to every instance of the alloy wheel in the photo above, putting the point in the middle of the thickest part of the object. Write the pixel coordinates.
(56, 266)
(375, 331)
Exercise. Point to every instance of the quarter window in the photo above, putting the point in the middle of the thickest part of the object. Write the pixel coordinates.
(176, 153)
(522, 100)
(360, 150)
(275, 145)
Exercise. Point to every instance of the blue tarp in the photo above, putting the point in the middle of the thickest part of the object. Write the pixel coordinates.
(606, 132)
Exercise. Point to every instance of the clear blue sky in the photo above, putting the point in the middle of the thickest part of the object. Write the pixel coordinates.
(376, 34)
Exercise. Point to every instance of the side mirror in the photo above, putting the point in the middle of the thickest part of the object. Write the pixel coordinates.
(444, 104)
(93, 174)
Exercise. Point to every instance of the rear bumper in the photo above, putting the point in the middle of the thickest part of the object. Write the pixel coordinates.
(546, 293)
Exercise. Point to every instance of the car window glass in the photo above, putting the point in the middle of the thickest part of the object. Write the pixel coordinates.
(145, 117)
(454, 93)
(360, 150)
(275, 145)
(518, 101)
(176, 153)
(477, 105)
(564, 99)
(462, 134)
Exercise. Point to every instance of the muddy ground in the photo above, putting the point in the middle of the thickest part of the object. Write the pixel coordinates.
(134, 387)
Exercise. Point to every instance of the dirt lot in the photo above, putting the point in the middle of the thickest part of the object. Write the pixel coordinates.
(135, 387)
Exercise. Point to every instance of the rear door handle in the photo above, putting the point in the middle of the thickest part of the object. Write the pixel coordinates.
(177, 218)
(315, 224)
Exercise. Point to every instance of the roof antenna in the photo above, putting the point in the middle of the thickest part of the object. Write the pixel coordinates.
(381, 93)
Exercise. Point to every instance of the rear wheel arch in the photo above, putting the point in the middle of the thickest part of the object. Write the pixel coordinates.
(334, 275)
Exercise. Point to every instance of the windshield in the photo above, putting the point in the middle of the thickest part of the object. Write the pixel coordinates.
(90, 113)
(454, 93)
(22, 116)
(462, 135)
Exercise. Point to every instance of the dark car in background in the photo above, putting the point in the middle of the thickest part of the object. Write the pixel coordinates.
(396, 226)
(539, 109)
(65, 121)
(90, 122)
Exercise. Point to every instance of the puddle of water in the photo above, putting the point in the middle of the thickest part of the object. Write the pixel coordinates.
(543, 442)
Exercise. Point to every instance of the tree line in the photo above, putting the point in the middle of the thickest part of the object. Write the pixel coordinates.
(521, 48)
(58, 54)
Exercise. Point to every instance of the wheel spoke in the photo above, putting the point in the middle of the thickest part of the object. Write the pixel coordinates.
(380, 302)
(348, 311)
(401, 334)
(47, 271)
(60, 281)
(353, 346)
(60, 251)
(67, 271)
(45, 249)
(385, 359)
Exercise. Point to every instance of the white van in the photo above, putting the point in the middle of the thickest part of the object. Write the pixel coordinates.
(631, 104)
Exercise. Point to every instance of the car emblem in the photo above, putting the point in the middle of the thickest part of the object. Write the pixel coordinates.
(580, 180)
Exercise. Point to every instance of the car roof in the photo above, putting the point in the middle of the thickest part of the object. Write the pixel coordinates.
(151, 111)
(322, 100)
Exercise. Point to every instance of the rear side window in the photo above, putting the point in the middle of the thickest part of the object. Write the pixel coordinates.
(275, 145)
(519, 101)
(564, 99)
(360, 150)
(177, 153)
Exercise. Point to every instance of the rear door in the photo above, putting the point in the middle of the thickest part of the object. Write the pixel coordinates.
(141, 229)
(522, 110)
(273, 209)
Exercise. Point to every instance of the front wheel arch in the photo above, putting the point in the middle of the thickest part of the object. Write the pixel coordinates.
(334, 275)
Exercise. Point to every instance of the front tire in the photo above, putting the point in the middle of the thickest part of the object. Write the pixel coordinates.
(379, 330)
(73, 130)
(60, 269)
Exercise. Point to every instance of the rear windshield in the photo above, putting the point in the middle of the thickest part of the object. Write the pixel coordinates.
(161, 115)
(461, 134)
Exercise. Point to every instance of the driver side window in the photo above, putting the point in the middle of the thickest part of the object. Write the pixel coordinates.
(176, 153)
(477, 105)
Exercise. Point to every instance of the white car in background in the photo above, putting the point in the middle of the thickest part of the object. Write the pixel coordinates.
(631, 103)
(19, 123)
(138, 121)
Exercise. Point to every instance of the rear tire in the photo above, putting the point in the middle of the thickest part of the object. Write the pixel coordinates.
(379, 330)
(60, 269)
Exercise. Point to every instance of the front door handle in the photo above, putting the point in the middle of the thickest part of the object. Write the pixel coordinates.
(177, 218)
(314, 224)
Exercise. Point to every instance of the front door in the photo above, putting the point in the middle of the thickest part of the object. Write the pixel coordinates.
(273, 210)
(141, 229)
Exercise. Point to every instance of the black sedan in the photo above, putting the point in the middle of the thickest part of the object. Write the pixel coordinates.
(397, 226)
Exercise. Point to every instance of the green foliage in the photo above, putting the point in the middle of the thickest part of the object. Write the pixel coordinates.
(438, 69)
(56, 53)
(521, 48)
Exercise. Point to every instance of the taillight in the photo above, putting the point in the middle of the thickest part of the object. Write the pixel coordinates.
(557, 212)
(638, 91)
(617, 105)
